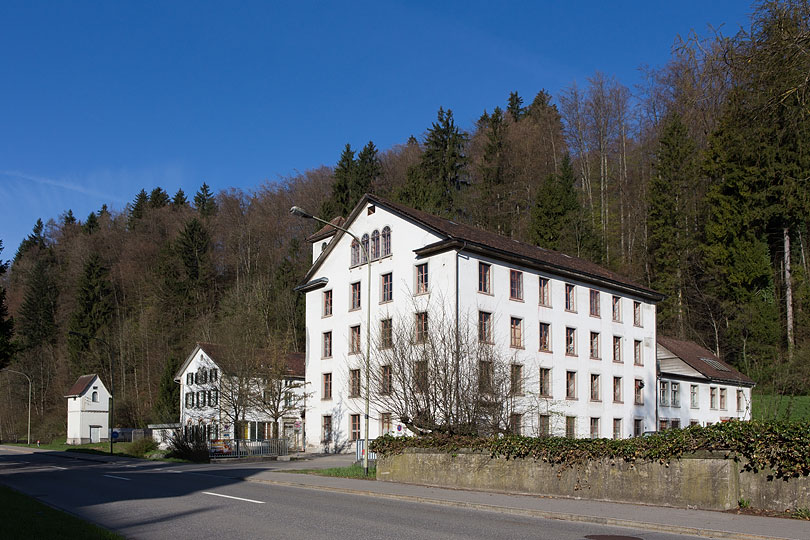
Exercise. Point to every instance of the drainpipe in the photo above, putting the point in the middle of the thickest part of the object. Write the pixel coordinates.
(458, 353)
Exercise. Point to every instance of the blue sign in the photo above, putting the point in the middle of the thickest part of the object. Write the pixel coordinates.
(115, 435)
(399, 427)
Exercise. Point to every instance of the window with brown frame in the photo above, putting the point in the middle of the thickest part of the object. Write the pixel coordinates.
(545, 382)
(386, 380)
(420, 373)
(327, 386)
(327, 345)
(421, 327)
(617, 309)
(637, 313)
(486, 374)
(355, 427)
(516, 332)
(638, 358)
(595, 307)
(355, 300)
(638, 392)
(484, 327)
(515, 285)
(484, 278)
(516, 380)
(570, 341)
(545, 337)
(545, 292)
(422, 278)
(617, 349)
(354, 339)
(386, 287)
(570, 385)
(617, 390)
(386, 333)
(354, 383)
(596, 387)
(327, 303)
(595, 345)
(570, 297)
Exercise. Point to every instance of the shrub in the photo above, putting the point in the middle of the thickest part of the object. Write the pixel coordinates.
(192, 448)
(781, 447)
(142, 447)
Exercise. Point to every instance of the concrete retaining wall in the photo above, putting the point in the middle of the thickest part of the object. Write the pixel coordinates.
(700, 481)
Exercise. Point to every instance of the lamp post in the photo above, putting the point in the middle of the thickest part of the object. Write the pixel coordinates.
(29, 399)
(300, 212)
(112, 379)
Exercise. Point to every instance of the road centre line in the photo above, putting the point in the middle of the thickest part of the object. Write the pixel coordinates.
(232, 497)
(57, 467)
(117, 477)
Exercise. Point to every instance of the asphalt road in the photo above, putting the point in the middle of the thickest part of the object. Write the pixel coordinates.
(154, 500)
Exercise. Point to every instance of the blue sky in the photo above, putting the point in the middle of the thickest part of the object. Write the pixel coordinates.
(101, 99)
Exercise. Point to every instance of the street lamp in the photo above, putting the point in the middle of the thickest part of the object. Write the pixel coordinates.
(112, 378)
(29, 399)
(300, 212)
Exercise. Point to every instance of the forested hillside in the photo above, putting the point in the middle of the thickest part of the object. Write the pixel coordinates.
(694, 183)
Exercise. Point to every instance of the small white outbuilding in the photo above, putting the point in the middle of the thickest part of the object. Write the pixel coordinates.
(88, 411)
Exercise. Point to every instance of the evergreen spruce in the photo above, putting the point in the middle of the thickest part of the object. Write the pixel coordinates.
(340, 203)
(368, 170)
(68, 218)
(33, 240)
(137, 209)
(179, 199)
(91, 317)
(515, 107)
(493, 170)
(36, 320)
(158, 198)
(6, 322)
(670, 220)
(204, 202)
(91, 225)
(433, 184)
(167, 405)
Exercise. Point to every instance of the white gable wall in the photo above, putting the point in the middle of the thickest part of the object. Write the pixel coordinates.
(84, 413)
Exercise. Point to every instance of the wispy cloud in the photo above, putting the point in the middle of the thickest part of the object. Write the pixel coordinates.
(70, 186)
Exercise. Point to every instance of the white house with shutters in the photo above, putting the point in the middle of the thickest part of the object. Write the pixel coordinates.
(206, 410)
(695, 387)
(88, 411)
(581, 337)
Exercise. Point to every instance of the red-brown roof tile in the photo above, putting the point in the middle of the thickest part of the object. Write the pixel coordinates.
(701, 359)
(80, 385)
(327, 230)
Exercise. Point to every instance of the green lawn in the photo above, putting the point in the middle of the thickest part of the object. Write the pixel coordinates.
(773, 407)
(352, 471)
(23, 517)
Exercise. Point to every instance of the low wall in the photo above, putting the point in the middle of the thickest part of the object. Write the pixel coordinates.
(699, 481)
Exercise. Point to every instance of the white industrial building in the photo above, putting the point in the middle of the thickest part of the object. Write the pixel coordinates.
(88, 406)
(582, 338)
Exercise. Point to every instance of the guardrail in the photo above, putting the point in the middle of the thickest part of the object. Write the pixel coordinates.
(235, 448)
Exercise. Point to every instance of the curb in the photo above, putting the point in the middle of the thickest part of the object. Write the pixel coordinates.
(562, 516)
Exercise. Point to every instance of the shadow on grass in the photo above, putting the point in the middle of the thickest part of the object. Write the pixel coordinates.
(352, 471)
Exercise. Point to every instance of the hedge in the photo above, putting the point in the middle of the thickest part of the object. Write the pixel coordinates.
(780, 447)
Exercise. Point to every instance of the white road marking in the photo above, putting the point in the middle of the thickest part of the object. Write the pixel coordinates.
(13, 462)
(232, 497)
(177, 472)
(118, 477)
(57, 467)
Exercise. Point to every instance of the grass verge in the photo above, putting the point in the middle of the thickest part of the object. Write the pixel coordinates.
(120, 449)
(776, 407)
(24, 517)
(352, 471)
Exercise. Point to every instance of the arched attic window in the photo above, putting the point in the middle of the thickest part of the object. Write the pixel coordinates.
(355, 253)
(95, 397)
(386, 241)
(375, 245)
(364, 251)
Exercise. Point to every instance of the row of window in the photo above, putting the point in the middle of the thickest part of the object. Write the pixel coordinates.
(386, 426)
(386, 338)
(516, 293)
(378, 245)
(202, 376)
(485, 381)
(516, 339)
(202, 398)
(670, 396)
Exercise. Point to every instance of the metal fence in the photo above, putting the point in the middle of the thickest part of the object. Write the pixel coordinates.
(358, 451)
(234, 448)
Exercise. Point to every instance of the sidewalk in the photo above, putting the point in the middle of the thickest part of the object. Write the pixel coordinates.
(652, 518)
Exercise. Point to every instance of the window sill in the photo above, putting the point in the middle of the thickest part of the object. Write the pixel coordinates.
(596, 400)
(571, 398)
(618, 362)
(617, 321)
(637, 404)
(354, 309)
(638, 325)
(326, 399)
(326, 316)
(486, 293)
(519, 347)
(571, 355)
(545, 396)
(326, 357)
(620, 401)
(596, 358)
(516, 299)
(637, 364)
(544, 305)
(386, 301)
(423, 293)
(595, 316)
(544, 350)
(570, 310)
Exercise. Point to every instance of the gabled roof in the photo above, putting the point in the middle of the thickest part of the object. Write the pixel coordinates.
(216, 352)
(81, 385)
(326, 231)
(704, 361)
(458, 236)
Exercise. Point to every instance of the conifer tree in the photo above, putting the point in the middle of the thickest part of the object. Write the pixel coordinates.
(492, 170)
(37, 325)
(368, 170)
(137, 209)
(91, 317)
(167, 405)
(670, 219)
(69, 218)
(103, 211)
(6, 322)
(193, 248)
(179, 199)
(340, 203)
(204, 202)
(33, 240)
(515, 107)
(91, 224)
(558, 221)
(158, 198)
(433, 184)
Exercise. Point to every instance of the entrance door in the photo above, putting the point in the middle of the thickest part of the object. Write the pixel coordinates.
(95, 434)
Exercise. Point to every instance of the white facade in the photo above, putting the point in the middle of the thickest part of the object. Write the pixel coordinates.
(453, 278)
(202, 404)
(88, 410)
(688, 396)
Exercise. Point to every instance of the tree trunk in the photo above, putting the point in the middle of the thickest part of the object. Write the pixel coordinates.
(788, 292)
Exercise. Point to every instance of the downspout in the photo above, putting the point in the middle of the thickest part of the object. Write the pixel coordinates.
(458, 352)
(656, 389)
